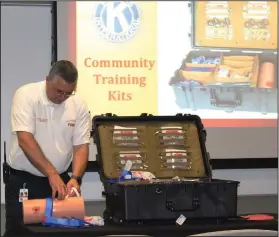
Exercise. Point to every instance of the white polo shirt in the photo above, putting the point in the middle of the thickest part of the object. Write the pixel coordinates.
(56, 128)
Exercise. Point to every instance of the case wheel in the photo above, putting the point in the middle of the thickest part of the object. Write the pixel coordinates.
(107, 216)
(117, 220)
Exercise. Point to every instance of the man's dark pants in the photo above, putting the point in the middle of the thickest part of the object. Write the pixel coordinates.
(38, 188)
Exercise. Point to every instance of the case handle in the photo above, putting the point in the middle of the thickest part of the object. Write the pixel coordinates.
(214, 100)
(170, 205)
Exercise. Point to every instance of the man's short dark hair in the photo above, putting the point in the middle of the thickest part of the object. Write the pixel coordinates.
(64, 69)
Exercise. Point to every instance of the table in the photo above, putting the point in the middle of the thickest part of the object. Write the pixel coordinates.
(156, 229)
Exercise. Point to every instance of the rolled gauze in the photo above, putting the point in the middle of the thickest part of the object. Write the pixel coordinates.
(34, 210)
(267, 76)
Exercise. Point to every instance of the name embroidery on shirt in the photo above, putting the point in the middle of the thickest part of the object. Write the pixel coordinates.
(71, 123)
(42, 120)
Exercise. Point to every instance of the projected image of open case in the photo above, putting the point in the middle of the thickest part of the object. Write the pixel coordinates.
(168, 147)
(233, 64)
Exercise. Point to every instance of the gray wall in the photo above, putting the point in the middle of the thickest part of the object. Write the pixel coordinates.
(25, 56)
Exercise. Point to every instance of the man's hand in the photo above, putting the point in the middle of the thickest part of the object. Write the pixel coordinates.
(73, 184)
(58, 186)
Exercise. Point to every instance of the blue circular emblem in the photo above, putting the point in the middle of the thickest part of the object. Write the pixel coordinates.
(117, 21)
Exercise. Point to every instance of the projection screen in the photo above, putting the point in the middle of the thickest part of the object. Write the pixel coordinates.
(216, 59)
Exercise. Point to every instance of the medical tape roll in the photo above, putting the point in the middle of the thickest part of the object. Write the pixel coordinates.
(267, 76)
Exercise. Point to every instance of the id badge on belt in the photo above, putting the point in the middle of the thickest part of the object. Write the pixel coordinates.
(23, 193)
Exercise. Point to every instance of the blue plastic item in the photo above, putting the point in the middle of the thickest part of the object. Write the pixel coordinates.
(123, 176)
(65, 222)
(203, 60)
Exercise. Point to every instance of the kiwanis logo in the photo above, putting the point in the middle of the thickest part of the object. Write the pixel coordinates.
(117, 21)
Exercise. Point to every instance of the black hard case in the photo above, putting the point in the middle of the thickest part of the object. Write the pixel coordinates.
(168, 199)
(225, 98)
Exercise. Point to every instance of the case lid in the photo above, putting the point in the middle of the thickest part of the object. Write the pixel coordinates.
(235, 25)
(166, 146)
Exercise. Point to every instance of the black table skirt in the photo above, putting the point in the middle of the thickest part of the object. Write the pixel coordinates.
(163, 229)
